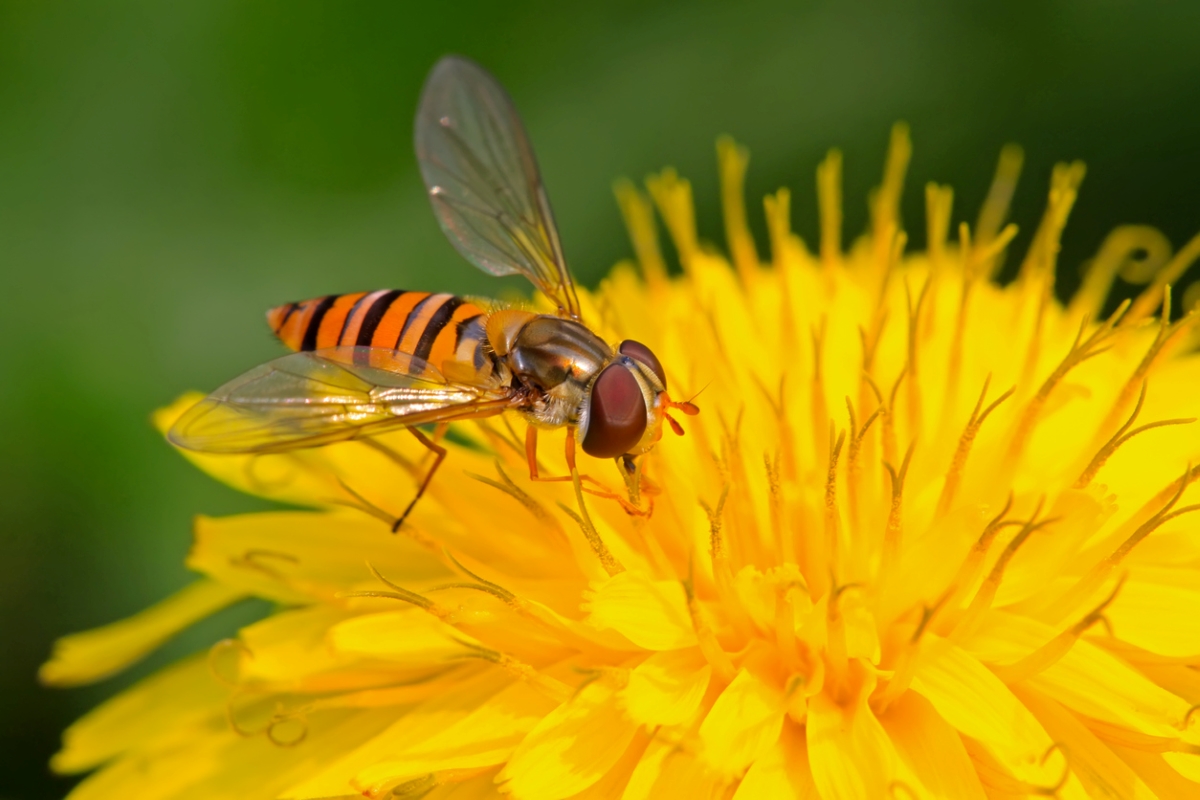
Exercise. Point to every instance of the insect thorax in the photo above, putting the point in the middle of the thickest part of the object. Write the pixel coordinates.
(558, 359)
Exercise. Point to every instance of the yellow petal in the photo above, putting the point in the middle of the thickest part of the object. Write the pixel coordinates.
(651, 614)
(1186, 764)
(411, 636)
(293, 556)
(975, 702)
(1175, 678)
(1158, 615)
(156, 775)
(647, 772)
(220, 764)
(1163, 779)
(848, 749)
(407, 731)
(448, 787)
(617, 778)
(666, 688)
(89, 656)
(668, 772)
(1049, 554)
(177, 698)
(782, 772)
(742, 725)
(862, 633)
(931, 749)
(486, 736)
(1095, 683)
(288, 645)
(571, 748)
(1099, 769)
(574, 631)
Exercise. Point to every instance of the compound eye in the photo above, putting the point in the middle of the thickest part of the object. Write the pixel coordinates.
(639, 352)
(617, 418)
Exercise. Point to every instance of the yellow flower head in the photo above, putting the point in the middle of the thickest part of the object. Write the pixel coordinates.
(929, 537)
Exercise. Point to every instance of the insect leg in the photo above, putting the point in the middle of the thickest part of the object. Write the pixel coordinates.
(570, 450)
(531, 452)
(531, 458)
(439, 454)
(601, 490)
(630, 506)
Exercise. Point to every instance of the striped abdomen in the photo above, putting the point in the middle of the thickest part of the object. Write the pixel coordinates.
(433, 327)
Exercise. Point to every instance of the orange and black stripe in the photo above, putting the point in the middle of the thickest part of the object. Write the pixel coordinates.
(432, 327)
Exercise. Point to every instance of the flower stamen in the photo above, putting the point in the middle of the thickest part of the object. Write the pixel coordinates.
(889, 417)
(825, 550)
(506, 485)
(1121, 436)
(1089, 583)
(673, 197)
(216, 654)
(829, 203)
(1168, 333)
(1136, 252)
(716, 543)
(853, 465)
(1082, 350)
(894, 530)
(820, 413)
(551, 687)
(884, 200)
(1048, 654)
(915, 414)
(1053, 789)
(1189, 716)
(643, 234)
(982, 600)
(607, 560)
(959, 462)
(274, 738)
(909, 658)
(969, 570)
(1148, 301)
(939, 202)
(252, 559)
(732, 160)
(954, 361)
(999, 198)
(393, 522)
(398, 593)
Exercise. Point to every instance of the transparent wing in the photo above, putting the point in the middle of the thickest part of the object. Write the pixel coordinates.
(312, 398)
(483, 180)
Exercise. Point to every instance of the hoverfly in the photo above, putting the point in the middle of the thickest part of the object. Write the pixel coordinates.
(372, 362)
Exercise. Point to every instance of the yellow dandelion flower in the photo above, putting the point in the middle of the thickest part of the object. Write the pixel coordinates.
(928, 538)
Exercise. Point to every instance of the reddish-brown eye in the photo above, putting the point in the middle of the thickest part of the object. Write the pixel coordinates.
(640, 352)
(617, 418)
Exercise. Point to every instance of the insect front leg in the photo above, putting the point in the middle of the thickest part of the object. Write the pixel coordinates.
(600, 491)
(439, 455)
(531, 438)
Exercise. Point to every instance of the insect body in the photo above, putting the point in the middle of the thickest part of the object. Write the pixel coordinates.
(372, 362)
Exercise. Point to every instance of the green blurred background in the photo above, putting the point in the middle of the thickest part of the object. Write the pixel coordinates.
(170, 170)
